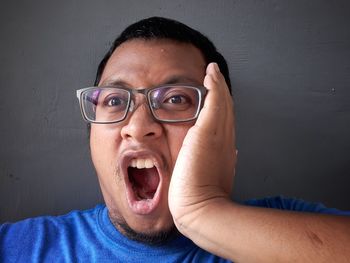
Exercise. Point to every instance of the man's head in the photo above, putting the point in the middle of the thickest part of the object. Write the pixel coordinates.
(134, 158)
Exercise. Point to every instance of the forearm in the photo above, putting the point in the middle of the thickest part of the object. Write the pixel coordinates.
(251, 234)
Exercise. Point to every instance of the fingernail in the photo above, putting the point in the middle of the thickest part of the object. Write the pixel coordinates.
(216, 67)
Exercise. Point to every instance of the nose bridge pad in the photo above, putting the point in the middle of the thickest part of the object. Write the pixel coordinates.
(132, 106)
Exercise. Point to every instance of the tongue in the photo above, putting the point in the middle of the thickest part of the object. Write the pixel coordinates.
(145, 181)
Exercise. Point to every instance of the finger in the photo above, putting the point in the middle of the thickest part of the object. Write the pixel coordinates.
(216, 104)
(215, 80)
(219, 105)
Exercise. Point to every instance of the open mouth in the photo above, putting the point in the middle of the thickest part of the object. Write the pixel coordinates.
(144, 182)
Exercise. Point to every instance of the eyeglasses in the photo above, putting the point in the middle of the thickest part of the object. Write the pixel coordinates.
(170, 103)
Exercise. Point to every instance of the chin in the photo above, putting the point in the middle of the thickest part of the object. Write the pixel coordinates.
(146, 231)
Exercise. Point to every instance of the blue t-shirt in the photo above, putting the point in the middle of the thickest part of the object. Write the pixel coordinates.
(89, 236)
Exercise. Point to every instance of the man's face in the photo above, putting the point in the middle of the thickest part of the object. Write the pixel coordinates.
(136, 197)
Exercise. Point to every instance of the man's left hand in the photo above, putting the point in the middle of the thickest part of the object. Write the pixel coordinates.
(204, 170)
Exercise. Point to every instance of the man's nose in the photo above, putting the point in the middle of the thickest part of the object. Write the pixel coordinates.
(140, 124)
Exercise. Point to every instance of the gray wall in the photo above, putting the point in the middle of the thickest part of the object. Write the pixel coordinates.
(290, 66)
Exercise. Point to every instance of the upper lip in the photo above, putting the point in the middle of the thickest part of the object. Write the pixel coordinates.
(140, 154)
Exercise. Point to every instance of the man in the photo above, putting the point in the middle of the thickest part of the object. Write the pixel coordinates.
(162, 142)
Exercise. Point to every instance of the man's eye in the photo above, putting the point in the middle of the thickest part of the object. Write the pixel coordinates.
(115, 101)
(178, 99)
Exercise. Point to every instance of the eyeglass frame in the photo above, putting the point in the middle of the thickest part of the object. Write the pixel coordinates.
(145, 91)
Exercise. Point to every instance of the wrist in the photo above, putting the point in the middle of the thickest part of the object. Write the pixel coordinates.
(195, 222)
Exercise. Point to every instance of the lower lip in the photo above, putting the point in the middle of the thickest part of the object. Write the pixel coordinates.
(144, 206)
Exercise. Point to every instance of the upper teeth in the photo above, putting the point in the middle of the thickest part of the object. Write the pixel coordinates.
(142, 163)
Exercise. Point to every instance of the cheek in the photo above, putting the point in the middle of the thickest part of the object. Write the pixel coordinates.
(104, 144)
(104, 141)
(176, 137)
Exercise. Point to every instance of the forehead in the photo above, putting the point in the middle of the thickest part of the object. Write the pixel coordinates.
(154, 62)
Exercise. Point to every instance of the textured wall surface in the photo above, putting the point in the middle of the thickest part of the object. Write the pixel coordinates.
(290, 69)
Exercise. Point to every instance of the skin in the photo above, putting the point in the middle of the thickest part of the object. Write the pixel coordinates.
(202, 210)
(197, 162)
(145, 64)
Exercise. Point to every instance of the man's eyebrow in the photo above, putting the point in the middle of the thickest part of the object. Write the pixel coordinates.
(171, 80)
(180, 80)
(114, 82)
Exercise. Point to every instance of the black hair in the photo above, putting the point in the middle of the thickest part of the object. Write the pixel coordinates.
(164, 28)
